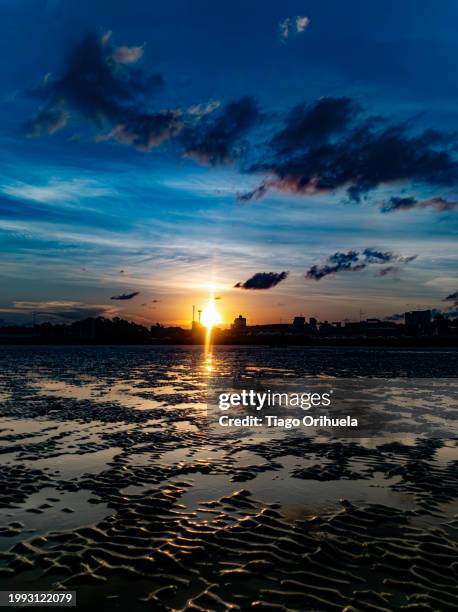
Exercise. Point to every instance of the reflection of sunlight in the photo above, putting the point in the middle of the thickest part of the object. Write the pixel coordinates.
(210, 317)
(208, 363)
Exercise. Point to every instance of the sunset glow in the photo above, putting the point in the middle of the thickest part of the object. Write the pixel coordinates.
(164, 172)
(210, 315)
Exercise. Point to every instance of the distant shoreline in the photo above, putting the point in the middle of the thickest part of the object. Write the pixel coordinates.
(400, 343)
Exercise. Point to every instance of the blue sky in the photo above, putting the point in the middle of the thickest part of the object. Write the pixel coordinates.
(163, 148)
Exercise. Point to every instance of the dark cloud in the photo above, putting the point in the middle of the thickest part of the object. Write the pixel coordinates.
(48, 120)
(125, 296)
(255, 194)
(336, 263)
(407, 203)
(323, 146)
(388, 270)
(406, 259)
(313, 124)
(373, 256)
(213, 140)
(111, 94)
(354, 261)
(263, 280)
(331, 144)
(453, 297)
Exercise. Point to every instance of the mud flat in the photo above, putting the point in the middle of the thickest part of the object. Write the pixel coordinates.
(146, 508)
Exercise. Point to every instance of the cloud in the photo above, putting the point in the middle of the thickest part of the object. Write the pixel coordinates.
(331, 144)
(313, 124)
(214, 138)
(263, 280)
(203, 109)
(406, 259)
(77, 314)
(100, 84)
(48, 120)
(389, 270)
(127, 55)
(453, 297)
(56, 191)
(40, 305)
(441, 282)
(144, 131)
(373, 256)
(66, 310)
(354, 261)
(256, 194)
(125, 296)
(293, 25)
(320, 147)
(301, 23)
(407, 203)
(336, 263)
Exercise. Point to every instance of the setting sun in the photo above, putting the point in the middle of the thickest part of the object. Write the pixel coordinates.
(210, 315)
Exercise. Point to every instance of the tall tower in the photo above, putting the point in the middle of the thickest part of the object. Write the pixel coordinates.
(196, 325)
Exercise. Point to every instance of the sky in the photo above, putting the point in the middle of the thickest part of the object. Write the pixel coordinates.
(293, 157)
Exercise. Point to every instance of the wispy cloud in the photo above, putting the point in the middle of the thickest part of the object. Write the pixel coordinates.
(57, 191)
(45, 304)
(65, 310)
(127, 55)
(408, 203)
(292, 26)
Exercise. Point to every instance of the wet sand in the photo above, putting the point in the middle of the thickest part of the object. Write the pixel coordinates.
(113, 484)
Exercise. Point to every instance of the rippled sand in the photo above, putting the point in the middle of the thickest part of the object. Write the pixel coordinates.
(113, 484)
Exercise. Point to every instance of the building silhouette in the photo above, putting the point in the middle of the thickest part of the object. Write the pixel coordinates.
(417, 318)
(239, 323)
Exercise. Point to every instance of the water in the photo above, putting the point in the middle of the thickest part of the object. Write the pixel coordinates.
(118, 438)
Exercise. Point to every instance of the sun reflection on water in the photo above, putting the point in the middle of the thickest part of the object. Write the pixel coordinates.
(208, 359)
